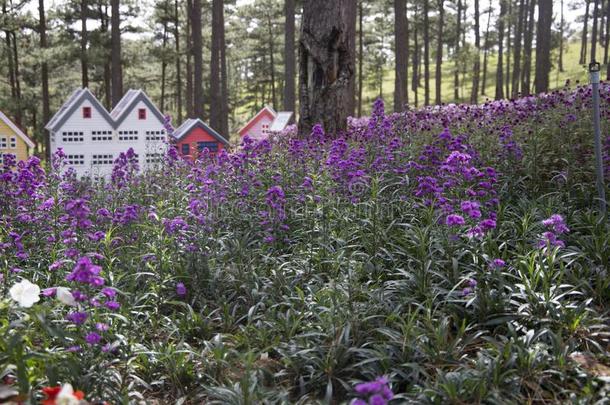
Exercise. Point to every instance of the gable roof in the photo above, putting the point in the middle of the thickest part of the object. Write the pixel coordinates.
(127, 103)
(265, 110)
(66, 110)
(17, 130)
(192, 123)
(281, 121)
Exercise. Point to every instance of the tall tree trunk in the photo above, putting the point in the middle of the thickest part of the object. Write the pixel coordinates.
(456, 73)
(583, 40)
(561, 39)
(104, 24)
(117, 68)
(163, 53)
(439, 52)
(606, 32)
(360, 55)
(499, 69)
(178, 67)
(486, 51)
(224, 86)
(517, 50)
(415, 68)
(400, 50)
(215, 96)
(474, 95)
(326, 65)
(46, 110)
(17, 73)
(594, 30)
(527, 51)
(289, 57)
(508, 23)
(189, 55)
(543, 45)
(271, 44)
(198, 61)
(426, 53)
(83, 44)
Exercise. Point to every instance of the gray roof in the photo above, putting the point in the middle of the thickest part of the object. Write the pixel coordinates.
(131, 98)
(191, 123)
(281, 121)
(115, 118)
(75, 100)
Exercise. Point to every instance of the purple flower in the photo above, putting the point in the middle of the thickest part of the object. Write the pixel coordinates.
(180, 289)
(77, 318)
(112, 305)
(556, 223)
(498, 263)
(454, 220)
(109, 292)
(86, 272)
(93, 338)
(378, 392)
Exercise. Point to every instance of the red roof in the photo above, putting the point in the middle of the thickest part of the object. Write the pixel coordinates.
(266, 111)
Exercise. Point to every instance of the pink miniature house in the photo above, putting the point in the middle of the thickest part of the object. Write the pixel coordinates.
(258, 127)
(194, 135)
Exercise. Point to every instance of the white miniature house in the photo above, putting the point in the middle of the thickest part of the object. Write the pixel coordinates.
(92, 138)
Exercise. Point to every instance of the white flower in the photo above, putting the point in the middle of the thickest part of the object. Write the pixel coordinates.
(66, 396)
(64, 295)
(25, 293)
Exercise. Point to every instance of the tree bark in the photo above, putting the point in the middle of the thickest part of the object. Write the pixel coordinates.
(289, 57)
(46, 110)
(474, 95)
(163, 53)
(543, 45)
(426, 54)
(224, 87)
(508, 22)
(104, 23)
(360, 55)
(415, 68)
(486, 51)
(583, 39)
(215, 96)
(83, 44)
(198, 61)
(17, 73)
(606, 32)
(527, 51)
(189, 55)
(594, 30)
(456, 73)
(517, 50)
(178, 64)
(561, 39)
(326, 65)
(401, 57)
(271, 43)
(499, 69)
(439, 52)
(117, 68)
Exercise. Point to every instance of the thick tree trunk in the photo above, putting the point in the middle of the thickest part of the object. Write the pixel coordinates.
(456, 73)
(499, 69)
(527, 51)
(594, 30)
(401, 81)
(508, 19)
(17, 73)
(360, 55)
(517, 50)
(104, 24)
(326, 65)
(117, 68)
(289, 57)
(271, 43)
(215, 96)
(83, 44)
(606, 32)
(198, 61)
(561, 39)
(583, 40)
(163, 57)
(415, 68)
(543, 45)
(224, 86)
(486, 51)
(439, 52)
(189, 55)
(426, 53)
(178, 64)
(46, 110)
(474, 95)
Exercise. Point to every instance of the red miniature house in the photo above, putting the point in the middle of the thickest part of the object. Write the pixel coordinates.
(194, 135)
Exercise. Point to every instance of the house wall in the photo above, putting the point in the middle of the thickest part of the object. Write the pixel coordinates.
(197, 134)
(88, 147)
(255, 131)
(21, 150)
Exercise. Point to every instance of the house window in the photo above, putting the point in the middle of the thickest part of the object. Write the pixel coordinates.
(211, 146)
(265, 128)
(98, 136)
(72, 136)
(142, 113)
(75, 160)
(155, 135)
(186, 149)
(3, 143)
(152, 158)
(128, 135)
(102, 159)
(86, 112)
(13, 142)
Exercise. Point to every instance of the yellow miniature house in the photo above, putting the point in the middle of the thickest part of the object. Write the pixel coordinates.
(13, 140)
